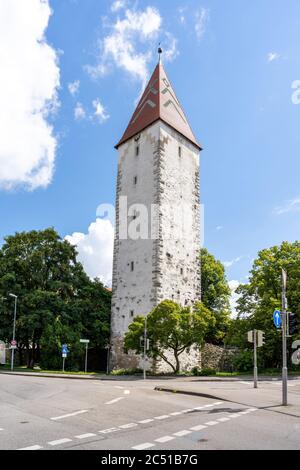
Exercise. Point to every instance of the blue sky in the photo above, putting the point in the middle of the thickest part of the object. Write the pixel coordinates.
(232, 64)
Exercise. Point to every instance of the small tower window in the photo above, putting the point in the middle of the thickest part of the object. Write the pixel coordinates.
(179, 151)
(181, 271)
(137, 150)
(132, 266)
(135, 180)
(131, 313)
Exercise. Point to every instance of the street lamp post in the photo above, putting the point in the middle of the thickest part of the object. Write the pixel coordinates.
(14, 331)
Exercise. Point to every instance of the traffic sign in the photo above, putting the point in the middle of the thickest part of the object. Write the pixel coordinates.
(260, 338)
(84, 340)
(277, 318)
(250, 336)
(64, 349)
(13, 342)
(64, 354)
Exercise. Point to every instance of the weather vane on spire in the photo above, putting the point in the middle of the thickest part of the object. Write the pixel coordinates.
(160, 51)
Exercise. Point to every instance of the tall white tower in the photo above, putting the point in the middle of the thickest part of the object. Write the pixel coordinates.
(158, 176)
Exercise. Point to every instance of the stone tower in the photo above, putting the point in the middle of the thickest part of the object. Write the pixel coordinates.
(157, 212)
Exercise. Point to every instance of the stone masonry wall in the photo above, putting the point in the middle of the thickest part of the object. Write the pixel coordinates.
(166, 267)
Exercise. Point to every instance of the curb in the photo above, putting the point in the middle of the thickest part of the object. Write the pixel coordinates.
(189, 392)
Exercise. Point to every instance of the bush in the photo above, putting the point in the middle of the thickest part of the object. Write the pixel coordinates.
(203, 372)
(243, 362)
(127, 371)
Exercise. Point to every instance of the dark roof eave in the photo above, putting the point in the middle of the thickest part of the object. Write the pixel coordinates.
(123, 141)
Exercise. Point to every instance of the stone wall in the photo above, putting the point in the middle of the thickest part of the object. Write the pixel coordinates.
(166, 262)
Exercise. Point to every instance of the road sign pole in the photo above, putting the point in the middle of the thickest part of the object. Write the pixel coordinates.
(145, 348)
(86, 357)
(284, 334)
(14, 332)
(255, 357)
(63, 364)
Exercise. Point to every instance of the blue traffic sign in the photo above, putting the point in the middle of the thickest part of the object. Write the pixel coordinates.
(64, 349)
(277, 318)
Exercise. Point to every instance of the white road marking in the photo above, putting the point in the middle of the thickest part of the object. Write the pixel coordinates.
(218, 403)
(165, 439)
(126, 392)
(161, 417)
(107, 431)
(182, 433)
(114, 401)
(146, 445)
(176, 413)
(208, 406)
(211, 423)
(119, 387)
(198, 428)
(188, 410)
(86, 436)
(222, 420)
(56, 418)
(145, 421)
(235, 415)
(59, 441)
(243, 382)
(31, 448)
(1, 429)
(199, 408)
(128, 426)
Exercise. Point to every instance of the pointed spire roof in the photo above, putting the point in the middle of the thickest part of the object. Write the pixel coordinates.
(159, 101)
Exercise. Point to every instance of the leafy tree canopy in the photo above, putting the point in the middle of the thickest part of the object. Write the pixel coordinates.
(170, 327)
(215, 295)
(56, 299)
(262, 295)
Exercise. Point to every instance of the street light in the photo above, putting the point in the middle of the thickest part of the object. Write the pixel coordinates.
(14, 331)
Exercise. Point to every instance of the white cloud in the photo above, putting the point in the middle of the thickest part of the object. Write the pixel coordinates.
(273, 56)
(228, 264)
(182, 17)
(79, 112)
(95, 249)
(219, 227)
(100, 112)
(29, 80)
(74, 87)
(118, 5)
(290, 206)
(202, 18)
(233, 285)
(130, 44)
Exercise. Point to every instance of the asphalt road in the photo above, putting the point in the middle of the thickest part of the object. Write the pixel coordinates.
(48, 413)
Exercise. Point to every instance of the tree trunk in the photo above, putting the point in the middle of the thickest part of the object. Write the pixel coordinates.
(177, 369)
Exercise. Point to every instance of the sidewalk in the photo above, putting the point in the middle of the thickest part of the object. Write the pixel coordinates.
(189, 379)
(265, 397)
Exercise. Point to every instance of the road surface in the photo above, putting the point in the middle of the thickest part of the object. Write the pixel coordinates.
(38, 413)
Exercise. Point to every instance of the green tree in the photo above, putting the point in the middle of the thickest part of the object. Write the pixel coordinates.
(215, 295)
(170, 327)
(42, 270)
(262, 295)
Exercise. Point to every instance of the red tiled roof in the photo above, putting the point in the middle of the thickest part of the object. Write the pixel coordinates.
(159, 101)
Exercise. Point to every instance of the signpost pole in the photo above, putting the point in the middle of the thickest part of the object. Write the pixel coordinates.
(86, 357)
(284, 334)
(255, 357)
(145, 348)
(63, 363)
(14, 331)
